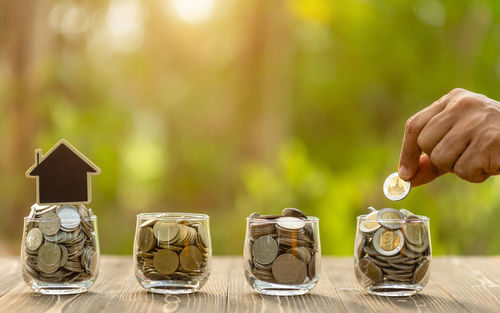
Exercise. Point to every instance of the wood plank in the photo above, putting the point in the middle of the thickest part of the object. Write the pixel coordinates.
(211, 298)
(23, 299)
(458, 284)
(242, 298)
(10, 274)
(466, 282)
(431, 299)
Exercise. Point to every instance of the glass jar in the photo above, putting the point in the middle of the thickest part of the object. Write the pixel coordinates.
(392, 256)
(60, 249)
(282, 254)
(172, 252)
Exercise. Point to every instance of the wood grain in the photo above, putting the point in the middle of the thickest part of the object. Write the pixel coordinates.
(458, 284)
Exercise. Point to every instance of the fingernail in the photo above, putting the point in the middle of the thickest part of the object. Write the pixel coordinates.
(403, 172)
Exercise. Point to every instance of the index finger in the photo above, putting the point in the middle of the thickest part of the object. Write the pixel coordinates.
(410, 151)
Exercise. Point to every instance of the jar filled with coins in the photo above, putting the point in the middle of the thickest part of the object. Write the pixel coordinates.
(282, 252)
(60, 249)
(172, 252)
(392, 252)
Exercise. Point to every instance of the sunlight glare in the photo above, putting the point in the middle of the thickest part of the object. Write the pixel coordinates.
(194, 11)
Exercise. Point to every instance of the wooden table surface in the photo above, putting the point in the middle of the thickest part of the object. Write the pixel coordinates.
(457, 284)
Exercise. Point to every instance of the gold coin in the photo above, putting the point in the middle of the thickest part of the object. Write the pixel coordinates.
(146, 239)
(191, 258)
(388, 242)
(166, 261)
(166, 231)
(396, 188)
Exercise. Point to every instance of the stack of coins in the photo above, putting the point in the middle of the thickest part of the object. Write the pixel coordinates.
(172, 250)
(393, 246)
(60, 244)
(282, 247)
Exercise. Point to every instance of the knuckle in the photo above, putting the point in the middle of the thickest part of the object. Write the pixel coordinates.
(412, 125)
(456, 91)
(438, 158)
(423, 144)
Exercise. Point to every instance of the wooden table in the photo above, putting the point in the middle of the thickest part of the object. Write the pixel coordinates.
(458, 284)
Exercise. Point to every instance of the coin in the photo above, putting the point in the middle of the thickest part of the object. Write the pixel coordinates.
(202, 235)
(146, 239)
(417, 248)
(396, 188)
(370, 270)
(288, 222)
(288, 269)
(302, 253)
(70, 218)
(414, 230)
(398, 248)
(369, 223)
(270, 237)
(34, 239)
(165, 261)
(49, 223)
(265, 249)
(421, 271)
(390, 218)
(312, 267)
(166, 231)
(49, 253)
(191, 258)
(388, 242)
(292, 212)
(64, 255)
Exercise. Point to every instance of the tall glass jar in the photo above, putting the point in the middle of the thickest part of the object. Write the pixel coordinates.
(392, 257)
(282, 254)
(60, 249)
(172, 252)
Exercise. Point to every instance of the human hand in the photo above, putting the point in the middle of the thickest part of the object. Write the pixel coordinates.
(458, 133)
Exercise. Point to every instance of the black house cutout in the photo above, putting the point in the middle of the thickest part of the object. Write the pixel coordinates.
(62, 175)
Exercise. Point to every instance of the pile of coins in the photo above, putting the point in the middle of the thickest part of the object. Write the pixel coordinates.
(392, 247)
(172, 250)
(282, 248)
(60, 244)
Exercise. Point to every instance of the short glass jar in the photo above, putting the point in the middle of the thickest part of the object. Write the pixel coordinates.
(392, 256)
(60, 249)
(172, 252)
(282, 254)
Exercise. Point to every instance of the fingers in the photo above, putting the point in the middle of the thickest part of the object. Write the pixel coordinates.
(469, 165)
(446, 153)
(426, 172)
(434, 131)
(410, 151)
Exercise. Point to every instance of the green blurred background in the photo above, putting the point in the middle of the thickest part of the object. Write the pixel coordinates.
(229, 106)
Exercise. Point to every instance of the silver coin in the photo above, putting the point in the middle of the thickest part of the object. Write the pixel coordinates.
(70, 218)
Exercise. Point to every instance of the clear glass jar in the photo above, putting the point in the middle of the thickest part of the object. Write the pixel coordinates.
(282, 254)
(172, 252)
(392, 256)
(60, 249)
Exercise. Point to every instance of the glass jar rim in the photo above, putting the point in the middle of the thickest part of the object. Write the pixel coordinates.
(274, 220)
(39, 219)
(175, 215)
(363, 217)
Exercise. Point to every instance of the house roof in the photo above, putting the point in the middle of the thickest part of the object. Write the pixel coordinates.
(62, 157)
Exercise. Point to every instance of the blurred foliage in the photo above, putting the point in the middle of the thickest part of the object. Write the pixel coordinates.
(231, 107)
